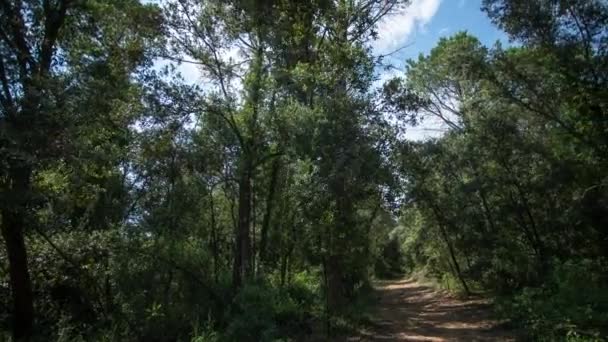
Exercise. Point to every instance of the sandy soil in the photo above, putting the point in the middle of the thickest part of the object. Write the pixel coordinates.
(410, 311)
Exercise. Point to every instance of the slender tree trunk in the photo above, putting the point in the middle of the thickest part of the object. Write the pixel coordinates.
(337, 246)
(288, 267)
(268, 213)
(487, 211)
(484, 199)
(214, 240)
(109, 299)
(526, 206)
(292, 246)
(446, 239)
(253, 230)
(524, 226)
(482, 196)
(454, 260)
(13, 225)
(327, 304)
(242, 261)
(283, 269)
(167, 291)
(524, 200)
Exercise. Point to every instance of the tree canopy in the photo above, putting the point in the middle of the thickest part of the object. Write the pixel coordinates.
(259, 203)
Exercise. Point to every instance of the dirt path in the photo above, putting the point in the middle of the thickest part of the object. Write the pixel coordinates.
(410, 311)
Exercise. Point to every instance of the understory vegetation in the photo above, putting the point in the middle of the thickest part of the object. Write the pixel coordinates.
(260, 201)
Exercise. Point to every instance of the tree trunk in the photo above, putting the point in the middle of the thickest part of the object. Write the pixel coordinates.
(253, 233)
(544, 265)
(214, 239)
(242, 262)
(446, 239)
(335, 289)
(284, 262)
(454, 260)
(338, 246)
(521, 221)
(13, 224)
(484, 199)
(268, 213)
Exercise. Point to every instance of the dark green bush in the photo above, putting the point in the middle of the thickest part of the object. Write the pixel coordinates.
(251, 315)
(389, 264)
(265, 312)
(572, 305)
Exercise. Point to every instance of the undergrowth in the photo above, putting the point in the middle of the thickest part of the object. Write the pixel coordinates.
(571, 306)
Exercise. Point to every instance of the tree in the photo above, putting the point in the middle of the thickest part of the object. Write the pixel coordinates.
(51, 65)
(520, 168)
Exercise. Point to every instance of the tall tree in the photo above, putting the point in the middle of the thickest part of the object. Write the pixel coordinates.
(54, 54)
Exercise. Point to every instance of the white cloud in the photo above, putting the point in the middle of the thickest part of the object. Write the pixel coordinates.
(191, 72)
(444, 31)
(395, 29)
(429, 128)
(387, 75)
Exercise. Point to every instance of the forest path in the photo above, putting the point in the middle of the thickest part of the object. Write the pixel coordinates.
(410, 311)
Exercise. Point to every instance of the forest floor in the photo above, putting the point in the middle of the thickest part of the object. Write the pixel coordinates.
(410, 311)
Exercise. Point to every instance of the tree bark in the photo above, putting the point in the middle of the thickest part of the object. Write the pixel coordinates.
(267, 215)
(214, 239)
(242, 263)
(544, 265)
(13, 225)
(253, 234)
(446, 239)
(454, 260)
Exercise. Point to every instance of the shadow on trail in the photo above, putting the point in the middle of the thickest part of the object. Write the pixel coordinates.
(409, 311)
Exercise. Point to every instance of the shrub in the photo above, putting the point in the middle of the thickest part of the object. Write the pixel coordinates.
(571, 306)
(263, 312)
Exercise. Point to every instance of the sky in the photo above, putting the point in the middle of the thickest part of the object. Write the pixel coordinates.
(417, 28)
(420, 25)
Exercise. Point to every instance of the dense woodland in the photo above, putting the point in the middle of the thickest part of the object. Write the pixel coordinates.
(259, 203)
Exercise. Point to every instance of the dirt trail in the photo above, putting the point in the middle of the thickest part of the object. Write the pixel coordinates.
(410, 311)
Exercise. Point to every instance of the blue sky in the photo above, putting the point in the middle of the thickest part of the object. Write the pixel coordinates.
(418, 27)
(433, 19)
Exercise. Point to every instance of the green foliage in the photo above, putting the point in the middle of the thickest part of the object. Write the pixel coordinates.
(262, 312)
(205, 334)
(389, 263)
(496, 203)
(253, 314)
(570, 306)
(259, 204)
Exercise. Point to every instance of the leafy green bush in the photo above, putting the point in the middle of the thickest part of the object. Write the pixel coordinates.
(251, 315)
(571, 306)
(389, 264)
(264, 312)
(204, 333)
